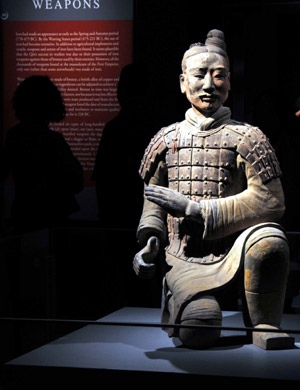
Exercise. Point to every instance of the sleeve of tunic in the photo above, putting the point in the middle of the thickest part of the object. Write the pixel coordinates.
(262, 200)
(153, 170)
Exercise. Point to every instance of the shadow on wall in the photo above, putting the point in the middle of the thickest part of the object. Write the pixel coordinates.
(45, 172)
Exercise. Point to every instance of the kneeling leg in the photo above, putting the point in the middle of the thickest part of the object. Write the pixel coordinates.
(202, 311)
(266, 271)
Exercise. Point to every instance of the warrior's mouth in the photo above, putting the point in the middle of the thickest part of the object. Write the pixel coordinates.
(208, 99)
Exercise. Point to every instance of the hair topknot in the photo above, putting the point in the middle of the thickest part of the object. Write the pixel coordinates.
(214, 43)
(216, 38)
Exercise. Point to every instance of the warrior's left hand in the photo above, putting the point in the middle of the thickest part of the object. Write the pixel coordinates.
(171, 201)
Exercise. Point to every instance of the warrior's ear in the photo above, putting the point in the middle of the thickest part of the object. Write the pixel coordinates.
(182, 83)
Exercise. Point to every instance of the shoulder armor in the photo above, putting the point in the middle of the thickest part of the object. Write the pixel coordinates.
(255, 147)
(156, 148)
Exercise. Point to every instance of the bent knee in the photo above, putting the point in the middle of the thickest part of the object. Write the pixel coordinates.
(199, 338)
(204, 311)
(269, 246)
(266, 264)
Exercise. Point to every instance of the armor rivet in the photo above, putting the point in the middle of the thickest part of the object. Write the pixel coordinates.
(227, 134)
(226, 164)
(240, 139)
(225, 144)
(189, 162)
(195, 144)
(196, 177)
(196, 192)
(216, 144)
(225, 178)
(205, 177)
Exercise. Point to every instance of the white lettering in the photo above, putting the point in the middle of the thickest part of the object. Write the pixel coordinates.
(37, 3)
(48, 4)
(86, 3)
(78, 2)
(57, 4)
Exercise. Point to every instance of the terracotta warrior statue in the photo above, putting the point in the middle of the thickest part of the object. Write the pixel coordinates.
(213, 199)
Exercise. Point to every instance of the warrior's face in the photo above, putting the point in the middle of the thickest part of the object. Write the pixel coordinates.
(206, 82)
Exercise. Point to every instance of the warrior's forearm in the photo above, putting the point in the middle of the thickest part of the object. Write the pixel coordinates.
(228, 215)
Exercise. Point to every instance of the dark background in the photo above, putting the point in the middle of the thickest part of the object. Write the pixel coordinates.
(84, 271)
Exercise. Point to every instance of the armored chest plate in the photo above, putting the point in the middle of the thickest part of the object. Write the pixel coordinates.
(201, 166)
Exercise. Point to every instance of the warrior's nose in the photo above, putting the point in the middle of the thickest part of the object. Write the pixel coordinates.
(208, 85)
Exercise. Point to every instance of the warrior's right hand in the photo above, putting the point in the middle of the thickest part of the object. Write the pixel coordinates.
(143, 262)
